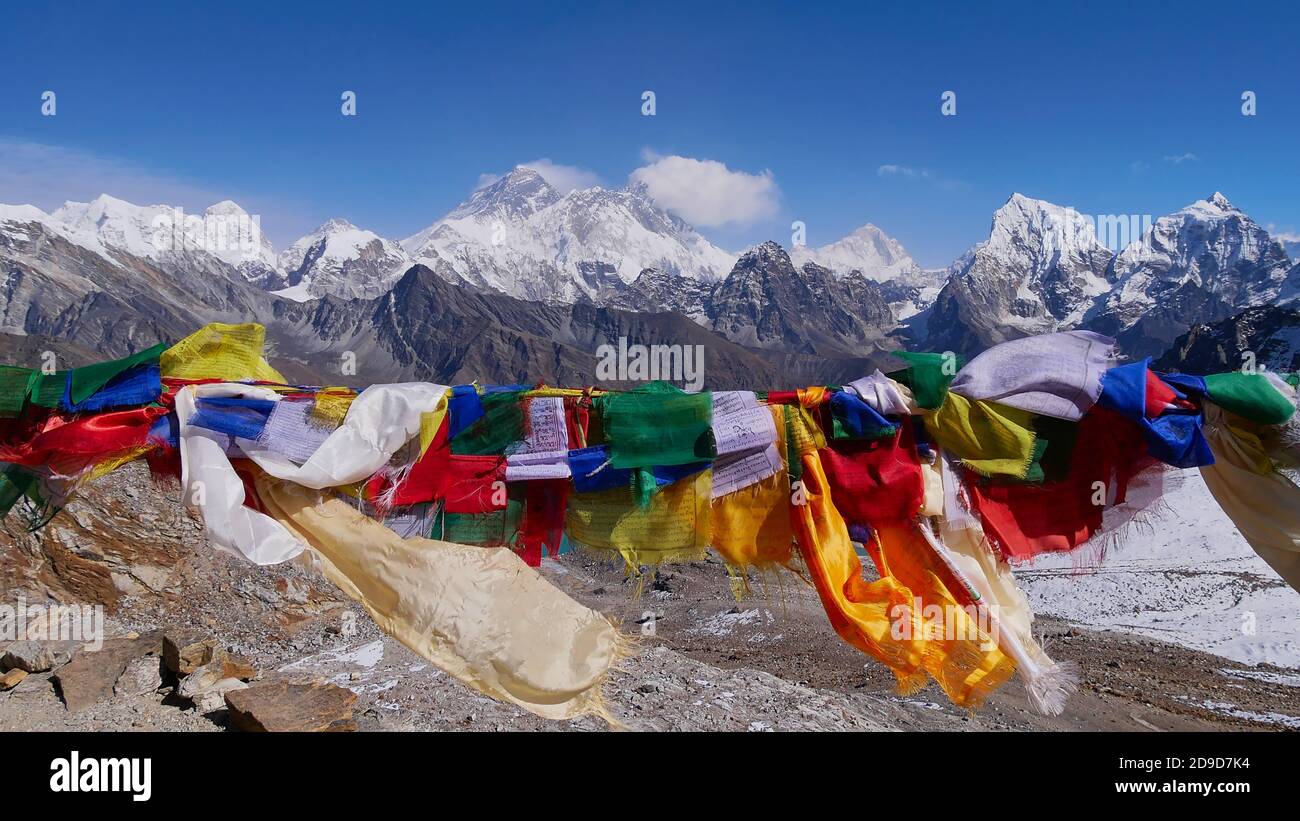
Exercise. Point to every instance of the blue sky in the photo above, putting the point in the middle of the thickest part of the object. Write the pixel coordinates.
(1114, 110)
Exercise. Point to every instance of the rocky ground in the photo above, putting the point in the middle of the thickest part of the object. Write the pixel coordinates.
(707, 662)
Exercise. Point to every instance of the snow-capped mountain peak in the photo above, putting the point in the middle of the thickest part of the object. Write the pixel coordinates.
(517, 195)
(1040, 270)
(868, 249)
(341, 259)
(519, 236)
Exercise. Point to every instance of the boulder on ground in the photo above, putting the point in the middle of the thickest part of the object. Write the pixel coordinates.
(10, 680)
(93, 673)
(141, 676)
(184, 651)
(222, 666)
(36, 656)
(294, 708)
(214, 697)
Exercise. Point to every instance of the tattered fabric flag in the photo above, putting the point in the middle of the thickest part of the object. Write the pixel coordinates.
(544, 454)
(1263, 503)
(751, 525)
(1025, 520)
(960, 654)
(737, 471)
(496, 528)
(291, 431)
(220, 351)
(70, 444)
(70, 390)
(212, 485)
(1174, 437)
(927, 376)
(464, 408)
(592, 471)
(479, 614)
(233, 416)
(330, 406)
(90, 379)
(14, 386)
(542, 529)
(474, 484)
(48, 389)
(875, 617)
(674, 526)
(657, 424)
(875, 481)
(740, 423)
(1055, 375)
(990, 439)
(381, 420)
(17, 482)
(985, 583)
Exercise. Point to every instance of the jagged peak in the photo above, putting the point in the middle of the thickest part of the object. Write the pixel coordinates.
(334, 225)
(1218, 200)
(226, 207)
(1213, 208)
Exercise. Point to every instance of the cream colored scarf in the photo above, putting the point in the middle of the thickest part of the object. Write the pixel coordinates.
(478, 613)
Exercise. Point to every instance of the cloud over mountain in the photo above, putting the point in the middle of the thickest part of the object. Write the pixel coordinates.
(706, 192)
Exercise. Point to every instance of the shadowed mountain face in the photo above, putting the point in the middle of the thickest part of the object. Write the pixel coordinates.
(427, 328)
(87, 305)
(1267, 336)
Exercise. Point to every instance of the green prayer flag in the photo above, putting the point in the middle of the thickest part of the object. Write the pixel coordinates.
(928, 375)
(13, 390)
(657, 424)
(493, 433)
(1249, 395)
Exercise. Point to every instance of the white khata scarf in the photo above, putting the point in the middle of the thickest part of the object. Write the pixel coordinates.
(1054, 374)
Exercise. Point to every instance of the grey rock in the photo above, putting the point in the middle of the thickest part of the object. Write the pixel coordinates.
(36, 656)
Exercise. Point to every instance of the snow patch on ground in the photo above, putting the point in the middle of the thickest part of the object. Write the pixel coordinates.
(1190, 579)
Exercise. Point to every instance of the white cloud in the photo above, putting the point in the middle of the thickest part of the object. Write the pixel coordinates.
(1179, 159)
(563, 178)
(892, 170)
(706, 193)
(1281, 234)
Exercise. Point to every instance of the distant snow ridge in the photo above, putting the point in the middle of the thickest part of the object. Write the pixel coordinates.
(167, 234)
(1042, 268)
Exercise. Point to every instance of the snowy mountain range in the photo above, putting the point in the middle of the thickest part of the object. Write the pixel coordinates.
(1043, 267)
(519, 236)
